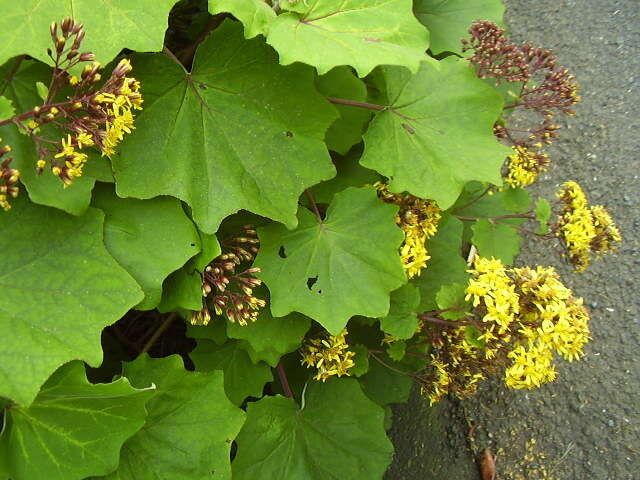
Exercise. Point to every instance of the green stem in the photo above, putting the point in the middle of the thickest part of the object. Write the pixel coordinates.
(161, 329)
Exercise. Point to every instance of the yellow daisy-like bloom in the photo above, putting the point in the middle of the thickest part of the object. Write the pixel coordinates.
(552, 315)
(73, 161)
(330, 355)
(531, 367)
(524, 166)
(418, 218)
(493, 293)
(584, 229)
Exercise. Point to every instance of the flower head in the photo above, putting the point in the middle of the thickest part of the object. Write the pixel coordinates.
(584, 229)
(418, 219)
(329, 354)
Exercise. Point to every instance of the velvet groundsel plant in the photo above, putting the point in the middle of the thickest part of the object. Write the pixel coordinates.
(233, 233)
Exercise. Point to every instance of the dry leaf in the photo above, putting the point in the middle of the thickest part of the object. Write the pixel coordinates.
(487, 465)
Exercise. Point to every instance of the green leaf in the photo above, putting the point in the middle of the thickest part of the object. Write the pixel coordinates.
(331, 270)
(515, 199)
(473, 203)
(110, 26)
(337, 434)
(402, 320)
(361, 360)
(7, 109)
(19, 80)
(347, 130)
(43, 90)
(448, 21)
(446, 265)
(452, 296)
(396, 350)
(242, 378)
(149, 238)
(495, 239)
(60, 289)
(190, 426)
(206, 127)
(360, 33)
(271, 337)
(472, 336)
(255, 15)
(384, 386)
(350, 174)
(73, 429)
(543, 213)
(416, 142)
(210, 250)
(181, 289)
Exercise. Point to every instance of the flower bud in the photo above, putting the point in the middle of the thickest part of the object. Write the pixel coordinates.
(87, 57)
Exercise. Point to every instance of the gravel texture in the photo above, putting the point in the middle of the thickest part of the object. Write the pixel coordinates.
(586, 424)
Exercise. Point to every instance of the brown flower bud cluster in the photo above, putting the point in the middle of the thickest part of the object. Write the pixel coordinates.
(227, 291)
(545, 89)
(8, 179)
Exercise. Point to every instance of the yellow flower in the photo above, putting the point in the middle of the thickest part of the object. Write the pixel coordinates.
(331, 356)
(524, 166)
(531, 367)
(584, 229)
(418, 218)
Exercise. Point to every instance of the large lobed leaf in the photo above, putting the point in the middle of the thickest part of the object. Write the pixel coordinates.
(111, 25)
(338, 433)
(150, 238)
(360, 33)
(73, 429)
(438, 132)
(190, 426)
(60, 288)
(342, 266)
(239, 132)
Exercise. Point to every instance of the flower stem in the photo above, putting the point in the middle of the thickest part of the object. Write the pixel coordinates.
(282, 375)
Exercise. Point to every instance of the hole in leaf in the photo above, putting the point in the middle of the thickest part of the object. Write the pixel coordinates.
(281, 252)
(311, 282)
(289, 134)
(193, 244)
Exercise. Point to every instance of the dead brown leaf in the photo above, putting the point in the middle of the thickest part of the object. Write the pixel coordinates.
(487, 465)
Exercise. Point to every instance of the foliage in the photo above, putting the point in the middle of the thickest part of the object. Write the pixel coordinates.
(205, 236)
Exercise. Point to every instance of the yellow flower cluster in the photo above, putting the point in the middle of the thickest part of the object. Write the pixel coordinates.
(330, 355)
(459, 369)
(73, 160)
(418, 219)
(118, 106)
(523, 316)
(583, 228)
(524, 166)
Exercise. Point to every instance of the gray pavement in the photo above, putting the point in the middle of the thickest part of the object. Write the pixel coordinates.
(586, 424)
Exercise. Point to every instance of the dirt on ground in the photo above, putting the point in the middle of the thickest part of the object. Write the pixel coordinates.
(585, 425)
